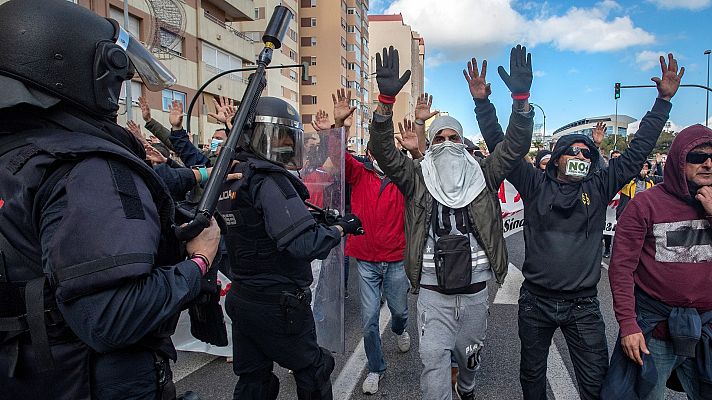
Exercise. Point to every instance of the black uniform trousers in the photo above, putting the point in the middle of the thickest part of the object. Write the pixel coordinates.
(267, 332)
(581, 323)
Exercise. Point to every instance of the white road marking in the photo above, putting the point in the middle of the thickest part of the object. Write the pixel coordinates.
(559, 377)
(349, 376)
(509, 292)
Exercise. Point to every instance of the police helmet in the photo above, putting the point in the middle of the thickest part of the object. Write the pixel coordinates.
(276, 133)
(73, 54)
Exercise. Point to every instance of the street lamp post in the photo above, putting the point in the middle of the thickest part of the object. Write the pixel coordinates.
(544, 115)
(707, 104)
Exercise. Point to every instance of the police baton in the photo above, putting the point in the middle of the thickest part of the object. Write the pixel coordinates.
(272, 38)
(328, 216)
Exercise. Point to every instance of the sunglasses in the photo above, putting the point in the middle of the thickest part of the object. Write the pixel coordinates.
(697, 158)
(574, 151)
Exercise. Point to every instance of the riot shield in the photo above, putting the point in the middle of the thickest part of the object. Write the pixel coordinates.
(323, 175)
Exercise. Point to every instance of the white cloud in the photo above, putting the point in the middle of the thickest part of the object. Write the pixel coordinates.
(648, 60)
(539, 74)
(573, 71)
(685, 4)
(461, 29)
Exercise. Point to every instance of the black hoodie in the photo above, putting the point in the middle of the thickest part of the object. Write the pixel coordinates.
(563, 222)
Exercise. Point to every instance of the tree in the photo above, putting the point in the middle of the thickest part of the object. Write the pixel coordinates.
(607, 144)
(664, 142)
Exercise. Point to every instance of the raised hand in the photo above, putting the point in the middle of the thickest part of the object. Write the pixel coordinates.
(519, 78)
(670, 80)
(225, 110)
(154, 155)
(407, 138)
(136, 131)
(145, 108)
(476, 81)
(343, 111)
(422, 108)
(175, 117)
(597, 134)
(387, 69)
(321, 121)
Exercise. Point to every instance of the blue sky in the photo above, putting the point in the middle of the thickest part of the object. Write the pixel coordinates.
(579, 50)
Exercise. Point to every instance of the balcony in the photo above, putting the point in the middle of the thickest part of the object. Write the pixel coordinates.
(223, 35)
(236, 10)
(232, 85)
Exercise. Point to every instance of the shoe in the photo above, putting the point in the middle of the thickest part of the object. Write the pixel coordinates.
(403, 341)
(346, 294)
(606, 253)
(370, 384)
(465, 396)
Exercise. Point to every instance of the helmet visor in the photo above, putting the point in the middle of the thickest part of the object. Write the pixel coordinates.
(279, 142)
(154, 74)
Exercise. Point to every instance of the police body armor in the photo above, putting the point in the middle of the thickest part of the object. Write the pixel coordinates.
(37, 348)
(251, 252)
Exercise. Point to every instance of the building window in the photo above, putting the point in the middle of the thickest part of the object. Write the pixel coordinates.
(308, 100)
(350, 11)
(171, 42)
(307, 22)
(343, 42)
(351, 29)
(344, 82)
(292, 34)
(135, 92)
(257, 13)
(220, 60)
(168, 97)
(343, 24)
(307, 3)
(343, 62)
(306, 119)
(293, 75)
(308, 41)
(134, 23)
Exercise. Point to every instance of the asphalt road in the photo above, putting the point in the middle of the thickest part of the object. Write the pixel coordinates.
(212, 378)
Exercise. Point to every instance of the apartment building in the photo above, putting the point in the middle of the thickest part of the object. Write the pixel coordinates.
(209, 44)
(334, 42)
(390, 30)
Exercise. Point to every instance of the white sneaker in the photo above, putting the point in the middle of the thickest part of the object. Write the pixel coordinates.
(370, 384)
(403, 342)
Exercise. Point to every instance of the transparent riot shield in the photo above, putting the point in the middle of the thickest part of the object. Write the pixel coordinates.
(323, 174)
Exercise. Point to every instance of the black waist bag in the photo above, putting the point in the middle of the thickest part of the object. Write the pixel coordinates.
(453, 258)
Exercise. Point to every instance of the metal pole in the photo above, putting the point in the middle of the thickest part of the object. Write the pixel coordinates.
(707, 105)
(615, 129)
(544, 115)
(129, 102)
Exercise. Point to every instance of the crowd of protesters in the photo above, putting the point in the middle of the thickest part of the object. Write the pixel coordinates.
(427, 200)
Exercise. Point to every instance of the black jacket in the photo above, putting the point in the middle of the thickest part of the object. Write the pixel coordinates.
(563, 222)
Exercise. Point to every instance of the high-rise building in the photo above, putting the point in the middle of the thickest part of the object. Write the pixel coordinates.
(334, 42)
(390, 30)
(283, 82)
(209, 43)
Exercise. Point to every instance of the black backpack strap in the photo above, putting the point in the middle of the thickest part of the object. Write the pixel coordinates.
(128, 192)
(34, 300)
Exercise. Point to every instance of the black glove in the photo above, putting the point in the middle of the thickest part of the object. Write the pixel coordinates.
(350, 224)
(519, 81)
(387, 73)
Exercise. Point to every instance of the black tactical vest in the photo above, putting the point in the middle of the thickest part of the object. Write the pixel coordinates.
(37, 347)
(251, 252)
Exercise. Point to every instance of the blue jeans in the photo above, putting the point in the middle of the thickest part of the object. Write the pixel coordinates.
(391, 277)
(665, 362)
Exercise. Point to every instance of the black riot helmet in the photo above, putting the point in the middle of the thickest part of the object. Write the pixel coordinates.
(73, 54)
(276, 133)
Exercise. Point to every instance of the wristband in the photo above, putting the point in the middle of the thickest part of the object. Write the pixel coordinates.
(419, 122)
(386, 99)
(203, 173)
(520, 96)
(201, 261)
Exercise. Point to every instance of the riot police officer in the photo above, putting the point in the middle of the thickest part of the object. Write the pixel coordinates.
(91, 277)
(272, 239)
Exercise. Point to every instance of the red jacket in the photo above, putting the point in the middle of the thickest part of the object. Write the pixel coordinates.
(381, 208)
(662, 243)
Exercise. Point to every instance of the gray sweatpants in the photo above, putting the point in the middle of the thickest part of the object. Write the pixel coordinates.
(451, 326)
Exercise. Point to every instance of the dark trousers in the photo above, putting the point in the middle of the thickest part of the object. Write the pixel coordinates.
(581, 323)
(264, 333)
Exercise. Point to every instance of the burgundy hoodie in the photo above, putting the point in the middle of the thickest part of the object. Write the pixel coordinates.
(663, 242)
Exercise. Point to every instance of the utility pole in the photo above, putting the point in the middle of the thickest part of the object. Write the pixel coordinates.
(707, 104)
